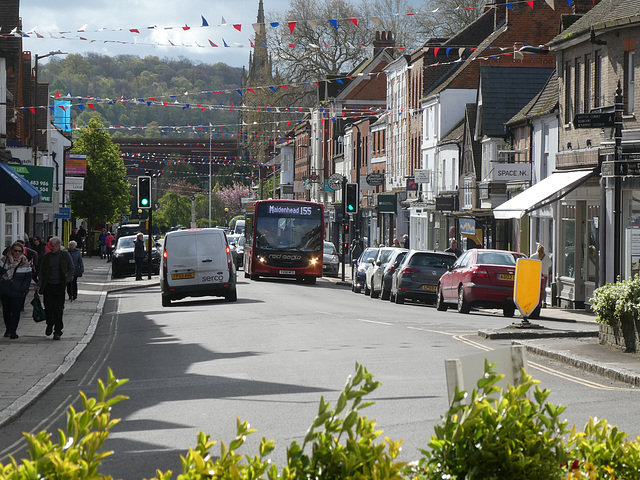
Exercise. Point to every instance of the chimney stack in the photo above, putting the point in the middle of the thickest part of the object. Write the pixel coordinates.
(384, 41)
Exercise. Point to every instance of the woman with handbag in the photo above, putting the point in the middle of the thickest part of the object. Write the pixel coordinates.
(78, 264)
(14, 286)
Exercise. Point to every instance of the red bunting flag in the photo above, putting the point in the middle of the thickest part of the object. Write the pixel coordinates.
(291, 45)
(530, 3)
(238, 27)
(57, 95)
(355, 21)
(63, 107)
(91, 106)
(285, 87)
(152, 99)
(212, 44)
(164, 104)
(134, 30)
(33, 110)
(186, 27)
(292, 26)
(251, 90)
(435, 51)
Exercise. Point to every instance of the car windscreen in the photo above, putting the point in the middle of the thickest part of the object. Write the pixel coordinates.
(369, 254)
(496, 258)
(329, 249)
(385, 255)
(432, 260)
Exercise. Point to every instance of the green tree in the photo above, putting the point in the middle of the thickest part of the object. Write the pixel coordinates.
(106, 190)
(174, 209)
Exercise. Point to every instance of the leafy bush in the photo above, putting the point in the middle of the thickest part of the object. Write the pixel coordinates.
(500, 434)
(617, 302)
(497, 436)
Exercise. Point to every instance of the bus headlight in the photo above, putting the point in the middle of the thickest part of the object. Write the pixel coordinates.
(261, 259)
(313, 261)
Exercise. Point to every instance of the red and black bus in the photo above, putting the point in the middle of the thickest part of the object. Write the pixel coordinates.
(284, 238)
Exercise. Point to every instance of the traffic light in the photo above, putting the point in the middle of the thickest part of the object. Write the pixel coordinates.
(144, 192)
(345, 237)
(352, 200)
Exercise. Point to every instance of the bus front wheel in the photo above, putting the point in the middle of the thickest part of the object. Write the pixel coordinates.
(254, 276)
(311, 280)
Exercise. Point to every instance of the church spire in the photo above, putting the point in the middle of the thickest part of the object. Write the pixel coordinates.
(260, 13)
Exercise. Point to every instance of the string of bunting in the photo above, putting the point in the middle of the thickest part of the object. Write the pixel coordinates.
(258, 27)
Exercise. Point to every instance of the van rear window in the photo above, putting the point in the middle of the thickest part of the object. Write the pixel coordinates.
(209, 245)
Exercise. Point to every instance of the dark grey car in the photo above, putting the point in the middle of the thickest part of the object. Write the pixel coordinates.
(389, 270)
(418, 274)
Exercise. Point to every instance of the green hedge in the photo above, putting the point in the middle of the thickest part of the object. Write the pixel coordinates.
(497, 434)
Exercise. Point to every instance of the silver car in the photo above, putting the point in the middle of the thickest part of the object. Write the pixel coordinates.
(373, 283)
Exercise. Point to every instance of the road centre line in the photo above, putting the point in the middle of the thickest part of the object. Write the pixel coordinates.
(373, 321)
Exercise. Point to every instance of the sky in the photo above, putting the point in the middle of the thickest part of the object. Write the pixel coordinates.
(115, 18)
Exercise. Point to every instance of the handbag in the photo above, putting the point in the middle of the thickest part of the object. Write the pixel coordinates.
(39, 314)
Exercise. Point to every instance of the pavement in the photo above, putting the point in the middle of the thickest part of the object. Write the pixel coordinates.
(31, 364)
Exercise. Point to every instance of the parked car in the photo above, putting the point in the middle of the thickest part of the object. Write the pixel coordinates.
(418, 274)
(373, 277)
(236, 243)
(387, 276)
(123, 262)
(330, 260)
(480, 278)
(359, 268)
(196, 263)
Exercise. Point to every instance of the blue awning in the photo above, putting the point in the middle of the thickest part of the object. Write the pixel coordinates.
(15, 190)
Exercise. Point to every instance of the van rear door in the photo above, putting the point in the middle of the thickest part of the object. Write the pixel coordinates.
(182, 265)
(213, 265)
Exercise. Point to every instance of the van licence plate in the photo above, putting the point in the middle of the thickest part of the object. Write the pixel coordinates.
(181, 276)
(287, 272)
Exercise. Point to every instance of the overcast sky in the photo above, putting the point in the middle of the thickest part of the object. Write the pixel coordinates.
(51, 17)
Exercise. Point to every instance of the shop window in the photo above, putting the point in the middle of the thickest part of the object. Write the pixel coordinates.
(567, 266)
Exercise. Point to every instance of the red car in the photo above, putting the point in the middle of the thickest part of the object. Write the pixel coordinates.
(480, 278)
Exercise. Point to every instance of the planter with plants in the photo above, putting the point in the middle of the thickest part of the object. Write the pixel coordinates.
(617, 309)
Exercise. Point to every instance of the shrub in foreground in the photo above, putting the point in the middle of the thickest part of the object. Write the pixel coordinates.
(497, 434)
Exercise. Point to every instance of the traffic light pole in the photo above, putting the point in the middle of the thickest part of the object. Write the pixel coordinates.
(344, 220)
(150, 242)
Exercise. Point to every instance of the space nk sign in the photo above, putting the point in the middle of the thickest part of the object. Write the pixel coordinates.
(510, 172)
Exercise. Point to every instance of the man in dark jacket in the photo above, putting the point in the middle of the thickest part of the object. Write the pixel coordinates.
(139, 254)
(56, 271)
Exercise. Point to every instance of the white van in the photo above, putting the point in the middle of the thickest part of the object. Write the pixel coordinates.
(196, 263)
(239, 228)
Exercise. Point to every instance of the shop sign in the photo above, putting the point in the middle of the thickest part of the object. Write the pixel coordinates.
(412, 186)
(467, 226)
(75, 164)
(73, 183)
(510, 172)
(387, 203)
(375, 179)
(627, 169)
(447, 204)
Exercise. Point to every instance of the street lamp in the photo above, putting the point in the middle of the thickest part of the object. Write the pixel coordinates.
(35, 95)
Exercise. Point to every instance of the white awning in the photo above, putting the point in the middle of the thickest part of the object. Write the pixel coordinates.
(556, 183)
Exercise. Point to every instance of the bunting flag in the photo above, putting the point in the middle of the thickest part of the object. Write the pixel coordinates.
(238, 27)
(292, 26)
(204, 22)
(530, 3)
(354, 21)
(313, 24)
(334, 23)
(551, 3)
(212, 44)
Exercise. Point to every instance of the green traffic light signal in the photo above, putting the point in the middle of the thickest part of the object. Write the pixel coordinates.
(144, 192)
(352, 199)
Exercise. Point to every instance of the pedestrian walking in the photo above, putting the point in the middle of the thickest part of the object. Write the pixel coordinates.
(453, 248)
(56, 271)
(139, 254)
(83, 237)
(78, 270)
(76, 237)
(545, 268)
(109, 245)
(396, 242)
(102, 239)
(14, 286)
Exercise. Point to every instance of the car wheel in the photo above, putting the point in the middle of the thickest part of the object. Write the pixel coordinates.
(357, 289)
(115, 274)
(399, 299)
(509, 311)
(232, 296)
(367, 291)
(440, 305)
(385, 294)
(166, 301)
(463, 306)
(353, 287)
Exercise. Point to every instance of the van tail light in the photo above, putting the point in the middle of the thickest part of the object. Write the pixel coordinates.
(229, 258)
(164, 254)
(479, 272)
(410, 270)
